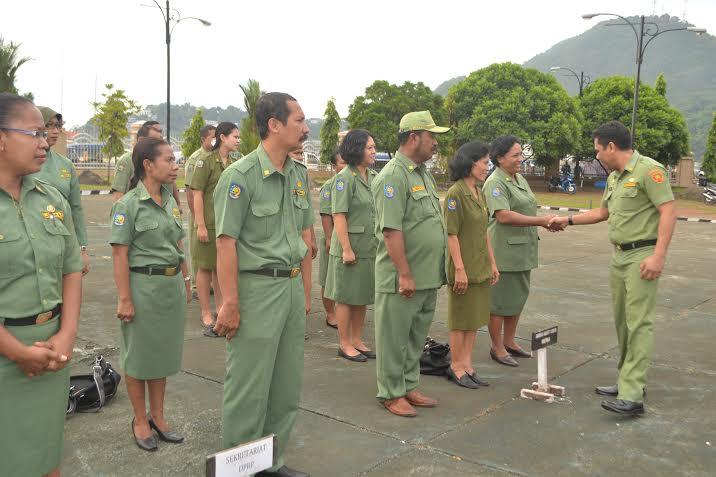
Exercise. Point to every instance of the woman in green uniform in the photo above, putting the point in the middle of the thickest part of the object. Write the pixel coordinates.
(40, 293)
(206, 174)
(146, 239)
(471, 263)
(60, 173)
(350, 280)
(513, 218)
(324, 197)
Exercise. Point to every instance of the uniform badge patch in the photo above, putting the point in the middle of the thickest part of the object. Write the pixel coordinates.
(326, 194)
(50, 208)
(234, 190)
(299, 184)
(120, 168)
(452, 204)
(200, 163)
(176, 213)
(65, 174)
(340, 184)
(389, 191)
(417, 188)
(58, 214)
(119, 219)
(496, 192)
(266, 172)
(657, 175)
(46, 215)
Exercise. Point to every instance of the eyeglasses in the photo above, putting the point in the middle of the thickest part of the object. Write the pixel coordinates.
(37, 134)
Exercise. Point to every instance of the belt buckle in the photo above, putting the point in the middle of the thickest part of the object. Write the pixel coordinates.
(295, 272)
(170, 271)
(43, 317)
(619, 247)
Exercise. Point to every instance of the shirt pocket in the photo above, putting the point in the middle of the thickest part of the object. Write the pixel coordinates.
(266, 216)
(421, 206)
(10, 254)
(57, 233)
(630, 199)
(518, 240)
(145, 225)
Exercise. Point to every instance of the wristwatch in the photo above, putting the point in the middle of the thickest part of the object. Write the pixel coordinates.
(187, 278)
(570, 221)
(83, 248)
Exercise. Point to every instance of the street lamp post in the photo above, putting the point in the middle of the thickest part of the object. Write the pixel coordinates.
(172, 17)
(581, 79)
(652, 30)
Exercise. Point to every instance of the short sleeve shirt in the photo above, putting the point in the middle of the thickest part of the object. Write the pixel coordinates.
(406, 199)
(190, 165)
(466, 217)
(632, 197)
(515, 248)
(37, 248)
(324, 197)
(151, 231)
(123, 172)
(264, 210)
(206, 175)
(351, 195)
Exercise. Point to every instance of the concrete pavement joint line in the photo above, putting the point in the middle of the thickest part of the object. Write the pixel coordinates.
(206, 378)
(481, 463)
(385, 461)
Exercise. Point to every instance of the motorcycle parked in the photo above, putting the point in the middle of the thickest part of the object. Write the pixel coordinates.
(562, 184)
(710, 194)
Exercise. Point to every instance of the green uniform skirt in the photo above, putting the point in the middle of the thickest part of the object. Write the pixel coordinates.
(32, 411)
(322, 261)
(192, 247)
(152, 343)
(351, 284)
(510, 293)
(470, 311)
(205, 253)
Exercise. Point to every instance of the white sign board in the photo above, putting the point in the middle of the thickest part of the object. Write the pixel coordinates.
(244, 460)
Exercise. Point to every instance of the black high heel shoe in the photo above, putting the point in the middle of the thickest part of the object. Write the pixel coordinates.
(464, 382)
(166, 436)
(149, 444)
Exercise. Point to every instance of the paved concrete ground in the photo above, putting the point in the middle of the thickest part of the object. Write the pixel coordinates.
(342, 431)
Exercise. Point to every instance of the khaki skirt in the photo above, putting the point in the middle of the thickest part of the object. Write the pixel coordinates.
(351, 284)
(152, 343)
(32, 410)
(204, 254)
(510, 293)
(470, 311)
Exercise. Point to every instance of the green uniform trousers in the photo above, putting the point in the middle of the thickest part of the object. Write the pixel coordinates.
(192, 248)
(634, 300)
(401, 326)
(264, 362)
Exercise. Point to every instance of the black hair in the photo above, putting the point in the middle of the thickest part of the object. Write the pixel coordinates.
(205, 130)
(353, 146)
(271, 105)
(10, 104)
(467, 155)
(144, 130)
(224, 129)
(404, 136)
(334, 156)
(147, 148)
(614, 132)
(501, 146)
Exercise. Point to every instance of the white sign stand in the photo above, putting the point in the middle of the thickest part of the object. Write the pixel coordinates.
(243, 460)
(542, 390)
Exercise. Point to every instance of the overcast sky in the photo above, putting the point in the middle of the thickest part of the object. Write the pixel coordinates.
(311, 49)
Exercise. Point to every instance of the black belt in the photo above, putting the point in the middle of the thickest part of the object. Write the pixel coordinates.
(634, 245)
(166, 271)
(275, 272)
(35, 319)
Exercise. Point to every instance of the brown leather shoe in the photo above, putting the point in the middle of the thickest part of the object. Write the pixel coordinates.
(416, 398)
(400, 407)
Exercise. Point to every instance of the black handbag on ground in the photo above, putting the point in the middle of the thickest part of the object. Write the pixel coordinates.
(435, 358)
(90, 392)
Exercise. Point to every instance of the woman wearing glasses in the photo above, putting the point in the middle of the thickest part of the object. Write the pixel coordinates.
(60, 173)
(40, 293)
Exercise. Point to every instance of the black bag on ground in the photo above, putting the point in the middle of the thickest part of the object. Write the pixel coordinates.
(90, 392)
(435, 358)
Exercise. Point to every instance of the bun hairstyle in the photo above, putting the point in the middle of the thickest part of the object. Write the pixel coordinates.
(147, 148)
(224, 129)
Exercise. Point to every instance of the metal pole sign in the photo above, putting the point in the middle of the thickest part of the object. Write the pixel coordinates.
(243, 460)
(542, 390)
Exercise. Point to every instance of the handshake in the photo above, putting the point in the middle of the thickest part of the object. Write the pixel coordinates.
(555, 223)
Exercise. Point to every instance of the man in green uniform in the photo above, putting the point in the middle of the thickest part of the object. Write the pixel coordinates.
(263, 222)
(410, 263)
(640, 208)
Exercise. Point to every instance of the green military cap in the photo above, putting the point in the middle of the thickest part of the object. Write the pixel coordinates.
(420, 121)
(48, 114)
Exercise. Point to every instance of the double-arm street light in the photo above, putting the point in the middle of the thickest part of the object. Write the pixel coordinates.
(651, 31)
(172, 17)
(581, 79)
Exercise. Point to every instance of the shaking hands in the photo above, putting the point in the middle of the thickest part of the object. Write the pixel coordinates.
(555, 223)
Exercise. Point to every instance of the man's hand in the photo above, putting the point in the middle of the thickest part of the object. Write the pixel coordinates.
(349, 257)
(62, 344)
(406, 285)
(125, 310)
(557, 223)
(651, 267)
(227, 323)
(202, 234)
(314, 248)
(460, 286)
(34, 360)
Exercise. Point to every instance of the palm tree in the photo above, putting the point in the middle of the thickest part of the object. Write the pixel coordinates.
(10, 62)
(249, 137)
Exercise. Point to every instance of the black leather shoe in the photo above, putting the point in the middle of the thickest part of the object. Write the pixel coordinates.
(166, 436)
(367, 353)
(149, 444)
(610, 390)
(331, 325)
(507, 360)
(478, 381)
(464, 381)
(518, 353)
(624, 407)
(283, 472)
(359, 358)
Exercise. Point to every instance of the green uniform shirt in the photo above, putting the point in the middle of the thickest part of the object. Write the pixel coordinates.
(123, 172)
(324, 197)
(206, 175)
(37, 247)
(406, 199)
(515, 248)
(351, 195)
(60, 173)
(466, 217)
(190, 165)
(152, 232)
(264, 210)
(632, 197)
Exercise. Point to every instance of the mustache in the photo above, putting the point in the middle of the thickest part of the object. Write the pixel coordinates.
(304, 138)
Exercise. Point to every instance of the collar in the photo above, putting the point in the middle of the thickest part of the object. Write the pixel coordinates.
(505, 177)
(30, 183)
(409, 165)
(143, 193)
(632, 162)
(267, 167)
(464, 189)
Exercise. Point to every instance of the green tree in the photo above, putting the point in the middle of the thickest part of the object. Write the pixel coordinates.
(249, 136)
(10, 62)
(329, 131)
(509, 99)
(660, 85)
(111, 117)
(709, 162)
(191, 138)
(382, 106)
(661, 131)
